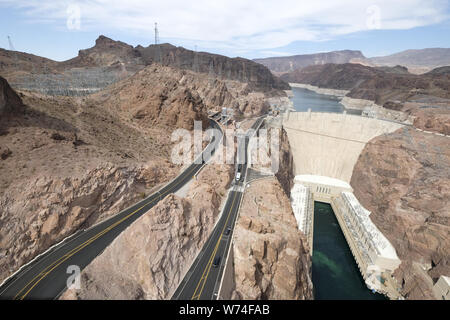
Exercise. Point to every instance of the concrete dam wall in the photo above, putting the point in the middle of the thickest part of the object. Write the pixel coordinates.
(329, 144)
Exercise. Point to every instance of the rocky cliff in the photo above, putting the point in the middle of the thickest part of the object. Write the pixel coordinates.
(285, 173)
(150, 258)
(271, 258)
(110, 61)
(67, 163)
(256, 75)
(9, 100)
(403, 178)
(156, 96)
(270, 255)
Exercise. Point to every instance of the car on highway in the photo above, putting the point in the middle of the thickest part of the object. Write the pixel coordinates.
(239, 172)
(216, 261)
(228, 231)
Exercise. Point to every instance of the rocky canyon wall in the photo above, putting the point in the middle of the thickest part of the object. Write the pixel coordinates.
(403, 178)
(270, 255)
(271, 258)
(150, 258)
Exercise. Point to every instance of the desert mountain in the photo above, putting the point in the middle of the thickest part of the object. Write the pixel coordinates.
(280, 65)
(110, 61)
(374, 84)
(417, 61)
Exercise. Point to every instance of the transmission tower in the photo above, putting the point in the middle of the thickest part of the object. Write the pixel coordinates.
(11, 46)
(195, 67)
(157, 48)
(156, 34)
(211, 73)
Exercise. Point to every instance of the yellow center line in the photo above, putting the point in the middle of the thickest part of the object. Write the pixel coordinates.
(58, 262)
(209, 264)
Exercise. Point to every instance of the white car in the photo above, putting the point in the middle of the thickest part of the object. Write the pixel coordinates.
(238, 176)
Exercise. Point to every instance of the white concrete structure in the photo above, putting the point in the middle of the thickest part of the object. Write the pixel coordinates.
(442, 288)
(325, 148)
(373, 253)
(302, 204)
(323, 188)
(329, 144)
(375, 256)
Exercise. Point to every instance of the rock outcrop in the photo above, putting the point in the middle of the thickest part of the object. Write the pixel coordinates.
(271, 258)
(285, 173)
(256, 75)
(150, 258)
(67, 163)
(436, 119)
(106, 52)
(403, 178)
(157, 96)
(9, 100)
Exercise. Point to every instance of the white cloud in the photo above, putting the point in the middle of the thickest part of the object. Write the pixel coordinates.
(240, 24)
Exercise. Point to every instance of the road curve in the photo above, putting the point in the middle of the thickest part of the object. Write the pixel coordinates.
(46, 276)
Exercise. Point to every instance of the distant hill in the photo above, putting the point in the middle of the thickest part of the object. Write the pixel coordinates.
(280, 65)
(417, 61)
(335, 76)
(375, 84)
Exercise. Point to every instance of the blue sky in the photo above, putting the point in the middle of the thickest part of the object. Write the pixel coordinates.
(58, 29)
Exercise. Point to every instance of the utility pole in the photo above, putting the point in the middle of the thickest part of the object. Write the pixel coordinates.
(11, 46)
(195, 66)
(156, 33)
(157, 49)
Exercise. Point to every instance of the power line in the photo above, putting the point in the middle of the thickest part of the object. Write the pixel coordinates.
(364, 142)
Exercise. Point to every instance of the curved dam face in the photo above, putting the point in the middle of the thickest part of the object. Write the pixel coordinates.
(325, 148)
(329, 144)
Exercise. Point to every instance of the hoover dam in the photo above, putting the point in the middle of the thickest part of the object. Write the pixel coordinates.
(325, 148)
(329, 144)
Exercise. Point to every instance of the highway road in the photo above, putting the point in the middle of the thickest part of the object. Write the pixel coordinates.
(46, 277)
(202, 280)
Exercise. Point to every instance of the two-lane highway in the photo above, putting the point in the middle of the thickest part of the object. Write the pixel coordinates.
(46, 277)
(202, 279)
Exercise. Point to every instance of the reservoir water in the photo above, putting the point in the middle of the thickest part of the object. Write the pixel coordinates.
(304, 99)
(335, 274)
